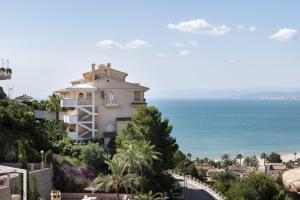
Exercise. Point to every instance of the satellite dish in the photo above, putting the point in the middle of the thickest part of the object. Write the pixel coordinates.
(109, 128)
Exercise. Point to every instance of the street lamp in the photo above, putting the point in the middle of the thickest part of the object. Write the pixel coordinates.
(42, 164)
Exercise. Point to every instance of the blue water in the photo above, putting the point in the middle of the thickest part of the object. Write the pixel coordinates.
(210, 128)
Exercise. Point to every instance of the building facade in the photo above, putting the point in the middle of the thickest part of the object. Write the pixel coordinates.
(100, 103)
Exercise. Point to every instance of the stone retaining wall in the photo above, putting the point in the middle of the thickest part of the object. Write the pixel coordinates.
(104, 196)
(43, 178)
(5, 193)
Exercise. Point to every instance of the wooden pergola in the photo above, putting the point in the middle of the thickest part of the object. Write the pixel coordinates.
(8, 170)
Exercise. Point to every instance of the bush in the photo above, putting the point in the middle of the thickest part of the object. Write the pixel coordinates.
(256, 186)
(93, 156)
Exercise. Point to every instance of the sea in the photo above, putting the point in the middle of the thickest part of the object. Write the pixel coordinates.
(211, 128)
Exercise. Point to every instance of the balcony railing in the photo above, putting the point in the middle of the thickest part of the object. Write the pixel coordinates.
(68, 103)
(70, 119)
(111, 102)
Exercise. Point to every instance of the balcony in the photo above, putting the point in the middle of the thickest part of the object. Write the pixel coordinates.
(138, 101)
(111, 102)
(68, 103)
(4, 75)
(70, 119)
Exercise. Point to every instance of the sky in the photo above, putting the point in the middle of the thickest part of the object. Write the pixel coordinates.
(165, 45)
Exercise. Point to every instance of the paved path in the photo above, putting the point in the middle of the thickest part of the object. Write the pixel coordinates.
(197, 191)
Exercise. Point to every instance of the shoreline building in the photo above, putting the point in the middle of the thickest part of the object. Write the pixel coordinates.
(101, 103)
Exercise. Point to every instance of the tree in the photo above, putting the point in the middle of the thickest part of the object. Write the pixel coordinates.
(189, 156)
(251, 161)
(2, 94)
(263, 156)
(92, 155)
(255, 186)
(224, 180)
(118, 178)
(148, 196)
(34, 194)
(54, 105)
(225, 157)
(274, 158)
(23, 165)
(240, 157)
(147, 124)
(295, 154)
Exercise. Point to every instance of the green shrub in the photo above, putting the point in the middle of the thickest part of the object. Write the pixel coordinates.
(93, 156)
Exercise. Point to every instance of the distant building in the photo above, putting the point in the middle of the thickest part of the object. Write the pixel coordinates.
(101, 103)
(24, 98)
(274, 169)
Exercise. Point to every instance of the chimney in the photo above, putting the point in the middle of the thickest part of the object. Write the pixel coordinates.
(93, 71)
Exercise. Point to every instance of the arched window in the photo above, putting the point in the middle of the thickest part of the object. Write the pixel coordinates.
(80, 95)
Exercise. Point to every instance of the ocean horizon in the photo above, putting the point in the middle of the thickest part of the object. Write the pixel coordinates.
(211, 128)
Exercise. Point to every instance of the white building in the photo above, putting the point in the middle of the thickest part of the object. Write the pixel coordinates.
(101, 103)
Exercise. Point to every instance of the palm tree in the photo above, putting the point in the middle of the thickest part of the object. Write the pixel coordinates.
(225, 156)
(147, 155)
(240, 157)
(295, 154)
(118, 178)
(263, 156)
(54, 105)
(189, 156)
(205, 160)
(137, 154)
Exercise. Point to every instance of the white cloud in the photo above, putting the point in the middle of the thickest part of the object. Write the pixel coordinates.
(109, 44)
(285, 34)
(179, 44)
(199, 26)
(134, 44)
(184, 52)
(246, 28)
(194, 43)
(137, 44)
(164, 55)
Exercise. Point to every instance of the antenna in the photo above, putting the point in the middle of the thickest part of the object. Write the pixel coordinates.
(2, 62)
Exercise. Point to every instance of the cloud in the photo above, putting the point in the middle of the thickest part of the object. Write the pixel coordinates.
(164, 55)
(179, 44)
(134, 44)
(246, 28)
(285, 34)
(184, 53)
(199, 26)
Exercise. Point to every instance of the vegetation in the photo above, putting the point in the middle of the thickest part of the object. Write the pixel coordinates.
(54, 105)
(147, 125)
(256, 186)
(118, 179)
(224, 180)
(2, 94)
(93, 156)
(251, 161)
(274, 158)
(17, 122)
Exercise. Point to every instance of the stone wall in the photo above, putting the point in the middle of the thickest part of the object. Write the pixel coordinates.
(43, 178)
(5, 193)
(106, 196)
